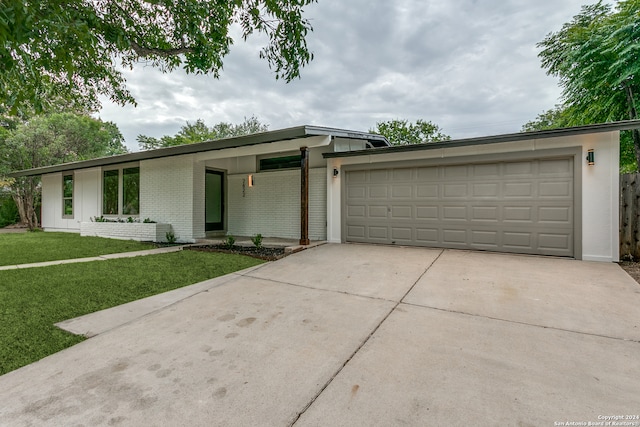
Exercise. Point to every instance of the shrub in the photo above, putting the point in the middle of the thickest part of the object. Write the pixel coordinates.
(230, 241)
(257, 240)
(171, 237)
(8, 211)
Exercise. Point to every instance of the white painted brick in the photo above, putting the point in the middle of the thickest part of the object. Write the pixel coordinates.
(272, 206)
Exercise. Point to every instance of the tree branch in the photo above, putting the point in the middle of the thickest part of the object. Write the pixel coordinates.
(165, 53)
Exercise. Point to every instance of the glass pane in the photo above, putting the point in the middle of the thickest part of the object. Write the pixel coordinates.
(288, 162)
(131, 191)
(67, 190)
(110, 193)
(213, 198)
(68, 207)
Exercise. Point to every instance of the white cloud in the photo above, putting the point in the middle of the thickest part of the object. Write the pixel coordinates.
(469, 66)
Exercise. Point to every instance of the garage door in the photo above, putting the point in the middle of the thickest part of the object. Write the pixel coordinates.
(516, 206)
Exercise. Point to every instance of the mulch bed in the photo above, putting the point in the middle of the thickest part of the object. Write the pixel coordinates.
(267, 254)
(632, 269)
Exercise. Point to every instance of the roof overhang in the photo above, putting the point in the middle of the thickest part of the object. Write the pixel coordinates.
(496, 139)
(373, 140)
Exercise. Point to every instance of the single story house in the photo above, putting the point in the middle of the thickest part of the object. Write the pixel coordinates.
(550, 192)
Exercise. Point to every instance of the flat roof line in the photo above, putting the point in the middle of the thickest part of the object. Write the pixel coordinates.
(495, 139)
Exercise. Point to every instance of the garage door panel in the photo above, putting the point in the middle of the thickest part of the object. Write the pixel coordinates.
(402, 212)
(555, 214)
(485, 213)
(455, 190)
(356, 192)
(454, 236)
(427, 236)
(486, 171)
(427, 213)
(518, 168)
(517, 213)
(517, 240)
(378, 192)
(402, 234)
(522, 206)
(380, 233)
(485, 238)
(427, 191)
(356, 211)
(456, 172)
(488, 189)
(558, 241)
(377, 212)
(555, 189)
(404, 191)
(519, 189)
(560, 167)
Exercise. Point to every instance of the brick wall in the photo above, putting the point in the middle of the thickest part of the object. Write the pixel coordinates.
(148, 232)
(272, 206)
(167, 194)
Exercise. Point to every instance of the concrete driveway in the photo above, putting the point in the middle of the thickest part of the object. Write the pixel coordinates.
(359, 335)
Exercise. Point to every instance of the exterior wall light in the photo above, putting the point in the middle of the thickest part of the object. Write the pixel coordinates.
(250, 180)
(590, 157)
(335, 172)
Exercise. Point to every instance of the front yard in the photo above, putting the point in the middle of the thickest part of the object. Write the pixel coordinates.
(26, 248)
(33, 299)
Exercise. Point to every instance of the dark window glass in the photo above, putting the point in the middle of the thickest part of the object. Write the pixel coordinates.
(131, 191)
(110, 192)
(67, 195)
(275, 163)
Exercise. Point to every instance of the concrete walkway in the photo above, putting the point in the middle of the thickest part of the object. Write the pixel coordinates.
(96, 258)
(358, 335)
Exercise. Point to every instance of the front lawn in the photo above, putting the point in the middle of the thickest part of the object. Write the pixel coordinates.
(26, 248)
(33, 299)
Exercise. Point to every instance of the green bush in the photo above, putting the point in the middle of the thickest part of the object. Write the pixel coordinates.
(8, 211)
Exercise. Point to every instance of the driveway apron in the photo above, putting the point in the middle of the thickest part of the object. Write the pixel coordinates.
(358, 335)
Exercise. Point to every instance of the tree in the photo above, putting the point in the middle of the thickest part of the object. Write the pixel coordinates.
(402, 132)
(200, 132)
(48, 140)
(596, 59)
(50, 49)
(551, 119)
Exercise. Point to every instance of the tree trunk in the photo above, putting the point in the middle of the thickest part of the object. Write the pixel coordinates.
(24, 193)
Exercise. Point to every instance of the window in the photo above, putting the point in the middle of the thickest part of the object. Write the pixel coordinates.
(131, 191)
(121, 191)
(110, 192)
(277, 163)
(67, 196)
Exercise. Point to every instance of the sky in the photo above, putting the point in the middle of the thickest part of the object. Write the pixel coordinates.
(470, 67)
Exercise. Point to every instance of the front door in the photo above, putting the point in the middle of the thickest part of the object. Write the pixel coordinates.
(214, 200)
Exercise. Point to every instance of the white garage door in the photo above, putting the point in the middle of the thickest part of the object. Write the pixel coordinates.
(517, 206)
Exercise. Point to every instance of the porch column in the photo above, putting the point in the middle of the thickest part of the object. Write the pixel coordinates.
(304, 196)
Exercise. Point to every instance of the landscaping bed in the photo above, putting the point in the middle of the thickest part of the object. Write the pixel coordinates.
(632, 269)
(264, 253)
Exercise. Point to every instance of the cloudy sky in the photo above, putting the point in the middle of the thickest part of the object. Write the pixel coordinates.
(469, 66)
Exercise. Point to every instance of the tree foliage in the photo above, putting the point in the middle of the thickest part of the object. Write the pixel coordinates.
(403, 132)
(48, 140)
(199, 132)
(551, 119)
(596, 56)
(71, 49)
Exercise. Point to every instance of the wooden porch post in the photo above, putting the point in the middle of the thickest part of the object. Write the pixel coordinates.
(304, 196)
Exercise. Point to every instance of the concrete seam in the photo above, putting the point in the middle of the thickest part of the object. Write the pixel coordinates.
(375, 329)
(521, 323)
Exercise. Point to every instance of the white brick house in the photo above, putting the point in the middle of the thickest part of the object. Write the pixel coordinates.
(529, 192)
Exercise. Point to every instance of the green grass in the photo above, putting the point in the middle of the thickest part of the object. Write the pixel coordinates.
(25, 248)
(33, 299)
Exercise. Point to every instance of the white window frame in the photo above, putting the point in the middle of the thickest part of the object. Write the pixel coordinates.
(120, 201)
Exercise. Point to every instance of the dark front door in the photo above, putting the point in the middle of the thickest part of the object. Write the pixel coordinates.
(214, 201)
